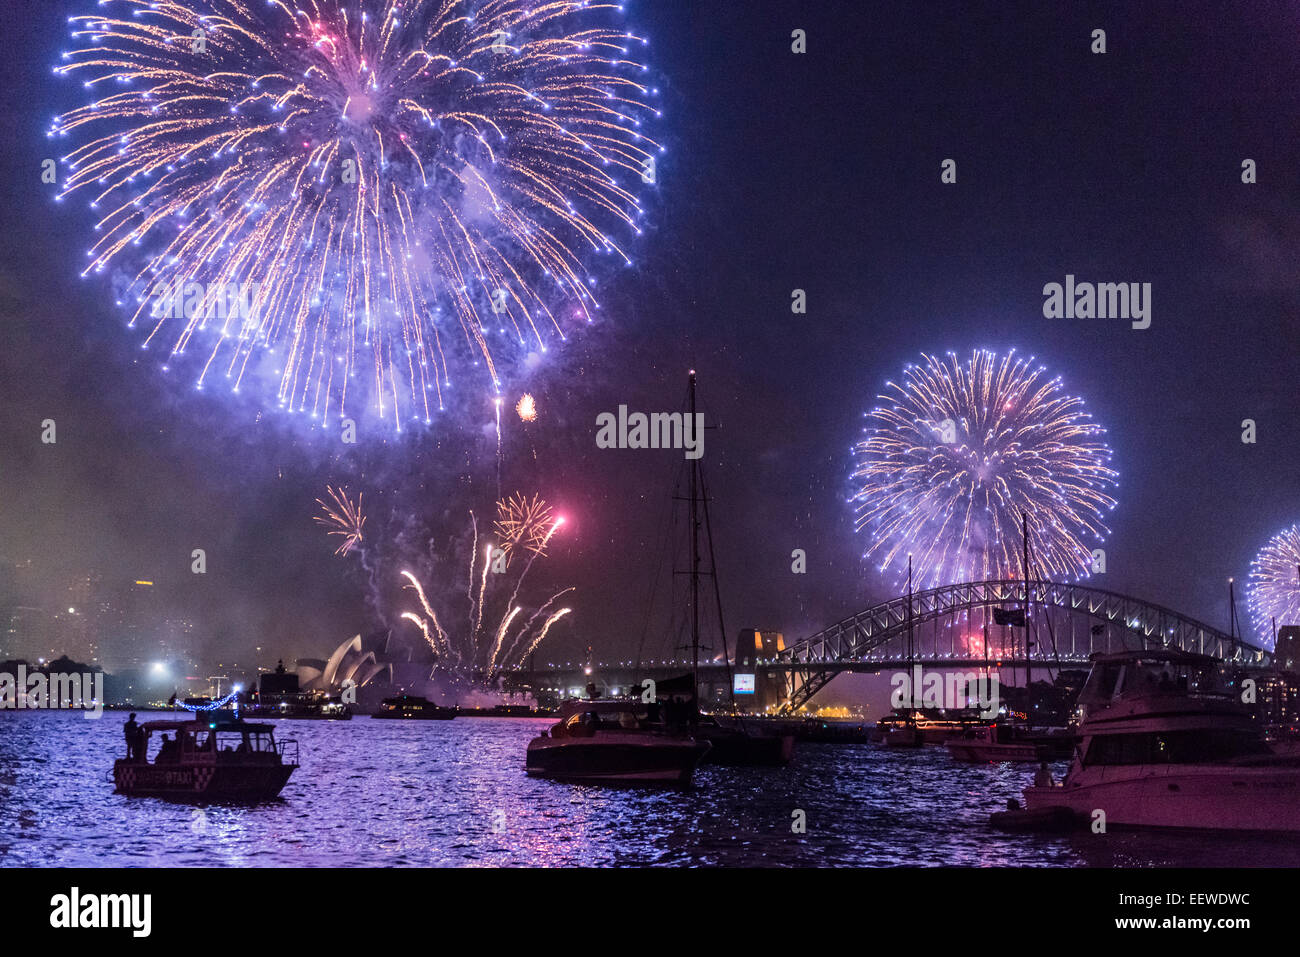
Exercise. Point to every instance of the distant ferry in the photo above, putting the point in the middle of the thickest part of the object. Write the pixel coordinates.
(279, 695)
(505, 711)
(308, 706)
(926, 726)
(413, 708)
(1164, 746)
(220, 758)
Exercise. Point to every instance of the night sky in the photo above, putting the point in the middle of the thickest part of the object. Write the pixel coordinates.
(819, 172)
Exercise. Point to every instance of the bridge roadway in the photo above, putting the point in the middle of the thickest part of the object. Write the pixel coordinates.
(873, 640)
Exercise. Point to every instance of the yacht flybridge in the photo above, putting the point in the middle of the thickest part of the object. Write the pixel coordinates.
(1164, 744)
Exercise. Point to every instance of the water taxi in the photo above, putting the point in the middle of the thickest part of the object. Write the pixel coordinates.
(211, 759)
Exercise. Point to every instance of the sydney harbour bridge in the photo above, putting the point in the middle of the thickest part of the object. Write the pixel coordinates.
(1011, 625)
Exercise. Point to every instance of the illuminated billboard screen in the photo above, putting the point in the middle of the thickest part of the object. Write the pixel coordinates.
(744, 684)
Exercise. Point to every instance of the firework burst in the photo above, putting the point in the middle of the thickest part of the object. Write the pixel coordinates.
(526, 408)
(343, 518)
(357, 203)
(958, 451)
(1273, 588)
(525, 524)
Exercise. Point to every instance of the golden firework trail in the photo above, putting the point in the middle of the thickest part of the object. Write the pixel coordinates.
(529, 623)
(545, 628)
(443, 645)
(500, 636)
(343, 518)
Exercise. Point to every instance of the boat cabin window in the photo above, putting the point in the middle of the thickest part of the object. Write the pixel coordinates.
(243, 742)
(608, 720)
(170, 746)
(164, 747)
(1199, 746)
(1104, 679)
(1142, 676)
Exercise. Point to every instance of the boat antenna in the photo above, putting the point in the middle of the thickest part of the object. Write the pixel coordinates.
(1232, 618)
(717, 589)
(910, 646)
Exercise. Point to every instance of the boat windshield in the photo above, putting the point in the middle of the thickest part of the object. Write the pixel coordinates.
(234, 742)
(1138, 676)
(1196, 746)
(605, 720)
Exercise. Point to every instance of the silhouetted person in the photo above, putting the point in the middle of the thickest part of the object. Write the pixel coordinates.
(167, 753)
(1044, 779)
(133, 734)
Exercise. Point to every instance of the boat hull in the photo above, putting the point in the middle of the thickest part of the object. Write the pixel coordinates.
(903, 738)
(615, 759)
(1215, 797)
(979, 753)
(201, 782)
(738, 748)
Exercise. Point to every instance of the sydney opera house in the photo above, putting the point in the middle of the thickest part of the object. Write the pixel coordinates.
(377, 667)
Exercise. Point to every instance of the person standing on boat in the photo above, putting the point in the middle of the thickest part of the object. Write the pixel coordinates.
(132, 732)
(1044, 779)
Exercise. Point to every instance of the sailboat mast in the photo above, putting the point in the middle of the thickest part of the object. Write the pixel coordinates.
(911, 648)
(695, 561)
(1024, 531)
(1232, 614)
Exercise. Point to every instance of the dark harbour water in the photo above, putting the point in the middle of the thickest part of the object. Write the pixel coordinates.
(454, 793)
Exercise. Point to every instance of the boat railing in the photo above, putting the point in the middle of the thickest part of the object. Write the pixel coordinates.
(288, 751)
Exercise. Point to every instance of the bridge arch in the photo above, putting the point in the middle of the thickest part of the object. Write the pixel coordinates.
(860, 642)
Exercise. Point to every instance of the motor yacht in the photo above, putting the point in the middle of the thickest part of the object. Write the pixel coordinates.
(1164, 744)
(614, 742)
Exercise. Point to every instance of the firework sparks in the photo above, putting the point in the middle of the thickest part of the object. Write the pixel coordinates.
(541, 636)
(958, 451)
(1273, 588)
(469, 650)
(525, 524)
(442, 646)
(526, 408)
(343, 518)
(481, 625)
(369, 200)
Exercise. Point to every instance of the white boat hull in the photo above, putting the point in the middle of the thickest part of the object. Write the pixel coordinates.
(1213, 797)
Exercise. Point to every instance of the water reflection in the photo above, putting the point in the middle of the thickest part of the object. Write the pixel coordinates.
(454, 793)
